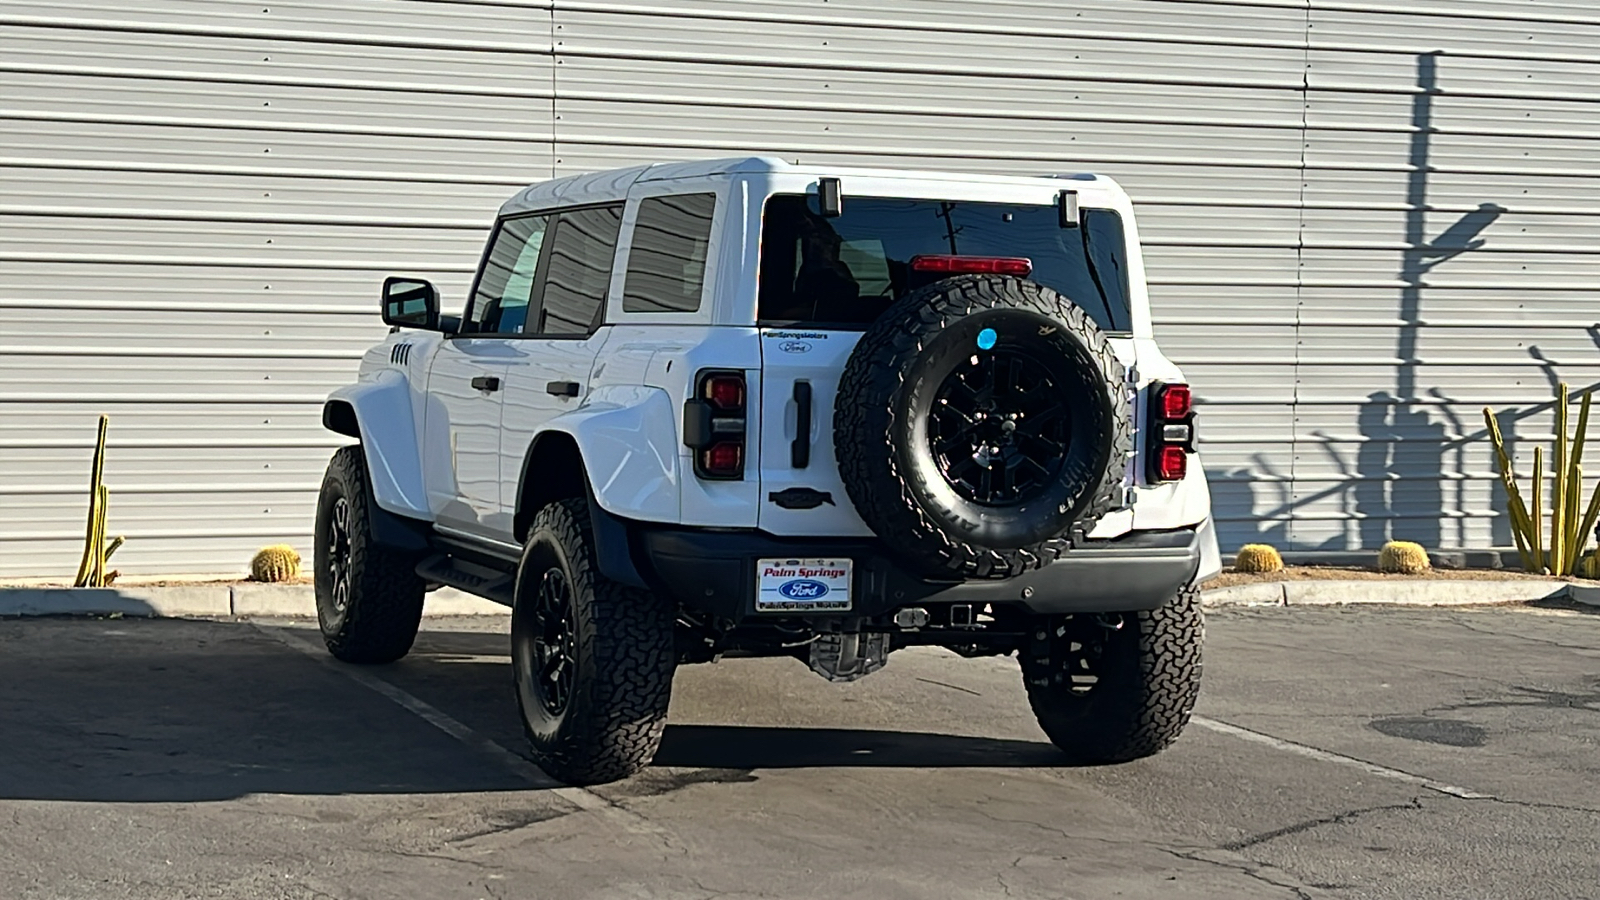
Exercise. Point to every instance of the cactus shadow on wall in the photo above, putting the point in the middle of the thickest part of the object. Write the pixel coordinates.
(1236, 504)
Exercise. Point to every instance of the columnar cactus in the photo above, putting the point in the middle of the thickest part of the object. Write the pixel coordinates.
(1403, 557)
(92, 571)
(1570, 520)
(274, 564)
(1258, 558)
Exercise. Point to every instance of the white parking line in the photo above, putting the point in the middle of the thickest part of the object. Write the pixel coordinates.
(535, 776)
(1350, 761)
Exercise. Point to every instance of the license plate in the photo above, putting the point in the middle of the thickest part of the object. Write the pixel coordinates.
(803, 585)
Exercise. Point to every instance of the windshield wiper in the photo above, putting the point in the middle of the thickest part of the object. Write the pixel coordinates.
(1094, 275)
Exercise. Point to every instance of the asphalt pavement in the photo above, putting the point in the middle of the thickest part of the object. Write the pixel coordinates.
(1337, 753)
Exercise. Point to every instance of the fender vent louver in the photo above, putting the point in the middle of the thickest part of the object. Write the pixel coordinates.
(400, 354)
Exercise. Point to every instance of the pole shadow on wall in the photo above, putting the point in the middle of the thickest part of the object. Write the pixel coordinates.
(1396, 485)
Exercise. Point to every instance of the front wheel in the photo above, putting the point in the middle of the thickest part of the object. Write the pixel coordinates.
(1115, 687)
(593, 659)
(369, 597)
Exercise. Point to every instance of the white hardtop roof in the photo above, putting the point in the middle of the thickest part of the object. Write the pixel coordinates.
(613, 184)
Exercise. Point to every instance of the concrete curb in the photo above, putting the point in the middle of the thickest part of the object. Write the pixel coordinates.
(1400, 593)
(208, 600)
(298, 599)
(1588, 595)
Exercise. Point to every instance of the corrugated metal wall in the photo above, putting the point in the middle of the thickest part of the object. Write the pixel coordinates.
(1361, 225)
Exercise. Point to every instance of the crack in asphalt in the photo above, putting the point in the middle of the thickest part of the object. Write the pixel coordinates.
(953, 687)
(1307, 825)
(1534, 698)
(1537, 804)
(1248, 867)
(1255, 869)
(508, 827)
(1523, 637)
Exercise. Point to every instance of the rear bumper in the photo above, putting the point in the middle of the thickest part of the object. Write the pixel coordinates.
(715, 572)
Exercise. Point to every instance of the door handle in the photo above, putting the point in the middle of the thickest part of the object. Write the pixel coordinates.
(486, 383)
(562, 388)
(800, 449)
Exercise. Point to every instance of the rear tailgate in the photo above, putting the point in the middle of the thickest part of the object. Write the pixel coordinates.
(796, 363)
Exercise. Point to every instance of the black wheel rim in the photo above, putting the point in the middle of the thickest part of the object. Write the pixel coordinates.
(554, 646)
(339, 554)
(1000, 428)
(1077, 652)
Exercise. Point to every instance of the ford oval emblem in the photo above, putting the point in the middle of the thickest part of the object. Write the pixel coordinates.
(795, 347)
(803, 589)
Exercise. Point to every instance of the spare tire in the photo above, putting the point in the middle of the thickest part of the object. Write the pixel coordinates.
(981, 421)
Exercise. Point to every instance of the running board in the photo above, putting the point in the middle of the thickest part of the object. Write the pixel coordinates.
(481, 581)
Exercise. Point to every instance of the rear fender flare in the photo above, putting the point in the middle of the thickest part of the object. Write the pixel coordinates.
(626, 437)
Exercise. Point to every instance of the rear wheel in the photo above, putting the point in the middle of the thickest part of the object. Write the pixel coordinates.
(593, 660)
(1115, 687)
(369, 597)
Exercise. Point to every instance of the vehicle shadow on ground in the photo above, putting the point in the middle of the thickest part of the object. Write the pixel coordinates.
(171, 710)
(762, 747)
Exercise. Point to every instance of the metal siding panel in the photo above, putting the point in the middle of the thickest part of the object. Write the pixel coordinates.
(198, 200)
(1450, 157)
(148, 156)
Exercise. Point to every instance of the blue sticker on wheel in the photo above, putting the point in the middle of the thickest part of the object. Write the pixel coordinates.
(987, 338)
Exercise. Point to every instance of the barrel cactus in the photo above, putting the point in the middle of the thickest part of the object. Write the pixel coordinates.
(1403, 557)
(274, 564)
(1258, 558)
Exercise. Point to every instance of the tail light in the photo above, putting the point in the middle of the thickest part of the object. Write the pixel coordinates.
(1171, 463)
(972, 265)
(714, 425)
(1176, 401)
(1171, 432)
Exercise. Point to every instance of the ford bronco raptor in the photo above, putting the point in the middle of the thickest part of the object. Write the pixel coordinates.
(746, 408)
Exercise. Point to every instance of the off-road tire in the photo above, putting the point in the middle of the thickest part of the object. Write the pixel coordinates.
(379, 619)
(616, 712)
(885, 389)
(1149, 679)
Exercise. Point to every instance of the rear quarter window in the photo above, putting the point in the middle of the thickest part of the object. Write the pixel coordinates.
(667, 260)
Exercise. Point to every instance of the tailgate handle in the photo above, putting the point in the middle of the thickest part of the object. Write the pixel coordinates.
(800, 450)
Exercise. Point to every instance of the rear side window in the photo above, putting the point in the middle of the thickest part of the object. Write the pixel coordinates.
(667, 260)
(583, 246)
(847, 270)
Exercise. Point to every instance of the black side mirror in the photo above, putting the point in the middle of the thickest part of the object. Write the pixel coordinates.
(410, 303)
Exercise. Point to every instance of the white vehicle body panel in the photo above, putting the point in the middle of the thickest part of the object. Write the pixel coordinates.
(535, 364)
(816, 357)
(464, 466)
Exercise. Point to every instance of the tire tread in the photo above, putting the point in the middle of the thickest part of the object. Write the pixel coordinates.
(615, 729)
(1149, 700)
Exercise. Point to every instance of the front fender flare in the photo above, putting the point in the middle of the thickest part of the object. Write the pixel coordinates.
(382, 413)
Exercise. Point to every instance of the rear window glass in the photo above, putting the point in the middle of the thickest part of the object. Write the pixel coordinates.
(847, 270)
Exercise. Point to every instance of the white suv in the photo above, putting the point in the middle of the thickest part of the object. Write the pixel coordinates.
(742, 407)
